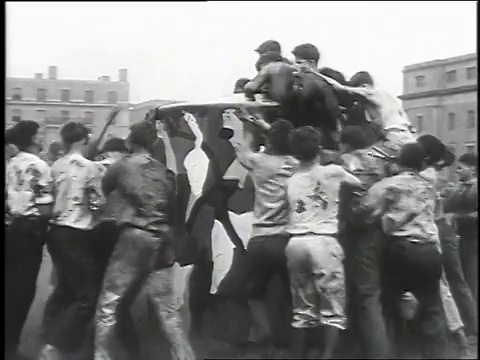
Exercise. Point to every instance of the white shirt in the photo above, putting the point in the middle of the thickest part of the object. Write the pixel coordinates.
(28, 184)
(313, 196)
(76, 182)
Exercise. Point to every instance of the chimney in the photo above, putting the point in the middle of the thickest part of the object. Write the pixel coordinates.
(38, 76)
(122, 75)
(52, 72)
(105, 78)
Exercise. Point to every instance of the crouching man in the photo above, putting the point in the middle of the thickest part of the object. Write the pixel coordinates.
(143, 247)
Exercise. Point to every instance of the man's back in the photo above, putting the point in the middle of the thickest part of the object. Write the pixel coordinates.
(142, 183)
(270, 174)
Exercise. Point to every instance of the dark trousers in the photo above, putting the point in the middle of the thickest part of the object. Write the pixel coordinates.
(460, 289)
(363, 249)
(417, 267)
(135, 258)
(71, 306)
(469, 255)
(24, 241)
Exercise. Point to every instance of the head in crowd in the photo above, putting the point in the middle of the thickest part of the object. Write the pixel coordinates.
(307, 53)
(24, 135)
(74, 136)
(269, 45)
(114, 147)
(240, 85)
(143, 136)
(55, 151)
(361, 79)
(334, 74)
(267, 58)
(413, 157)
(438, 154)
(277, 137)
(352, 138)
(467, 167)
(305, 143)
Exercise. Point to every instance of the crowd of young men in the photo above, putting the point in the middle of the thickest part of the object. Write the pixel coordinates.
(352, 240)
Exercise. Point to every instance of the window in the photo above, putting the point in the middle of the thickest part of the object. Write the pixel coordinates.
(112, 97)
(420, 123)
(420, 81)
(88, 118)
(471, 119)
(40, 115)
(470, 148)
(451, 121)
(471, 73)
(41, 95)
(16, 94)
(451, 76)
(65, 115)
(89, 96)
(65, 95)
(16, 115)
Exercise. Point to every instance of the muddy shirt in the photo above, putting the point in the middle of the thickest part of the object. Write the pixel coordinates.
(313, 196)
(76, 190)
(28, 184)
(141, 189)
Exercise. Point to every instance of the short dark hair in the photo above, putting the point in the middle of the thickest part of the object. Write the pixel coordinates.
(240, 85)
(22, 133)
(73, 132)
(114, 144)
(469, 159)
(354, 136)
(267, 58)
(278, 136)
(412, 156)
(305, 143)
(307, 52)
(55, 148)
(269, 45)
(334, 74)
(361, 78)
(143, 134)
(435, 149)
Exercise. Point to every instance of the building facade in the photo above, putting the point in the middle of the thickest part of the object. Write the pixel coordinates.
(440, 98)
(52, 102)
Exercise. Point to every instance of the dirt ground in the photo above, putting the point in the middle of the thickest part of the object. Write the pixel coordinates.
(154, 346)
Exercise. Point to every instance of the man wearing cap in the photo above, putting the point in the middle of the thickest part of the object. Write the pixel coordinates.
(143, 248)
(269, 45)
(29, 200)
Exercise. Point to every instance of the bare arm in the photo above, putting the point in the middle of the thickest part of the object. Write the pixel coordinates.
(253, 86)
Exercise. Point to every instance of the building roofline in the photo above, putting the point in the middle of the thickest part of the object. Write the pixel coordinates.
(440, 92)
(432, 63)
(74, 80)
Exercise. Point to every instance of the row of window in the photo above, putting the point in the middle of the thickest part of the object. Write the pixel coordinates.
(471, 121)
(470, 147)
(89, 95)
(451, 76)
(41, 116)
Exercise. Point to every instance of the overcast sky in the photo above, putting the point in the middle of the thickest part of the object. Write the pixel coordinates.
(196, 51)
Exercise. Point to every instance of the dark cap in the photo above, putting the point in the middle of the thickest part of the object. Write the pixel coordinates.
(21, 133)
(114, 144)
(469, 159)
(436, 150)
(240, 85)
(412, 156)
(269, 45)
(143, 134)
(307, 52)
